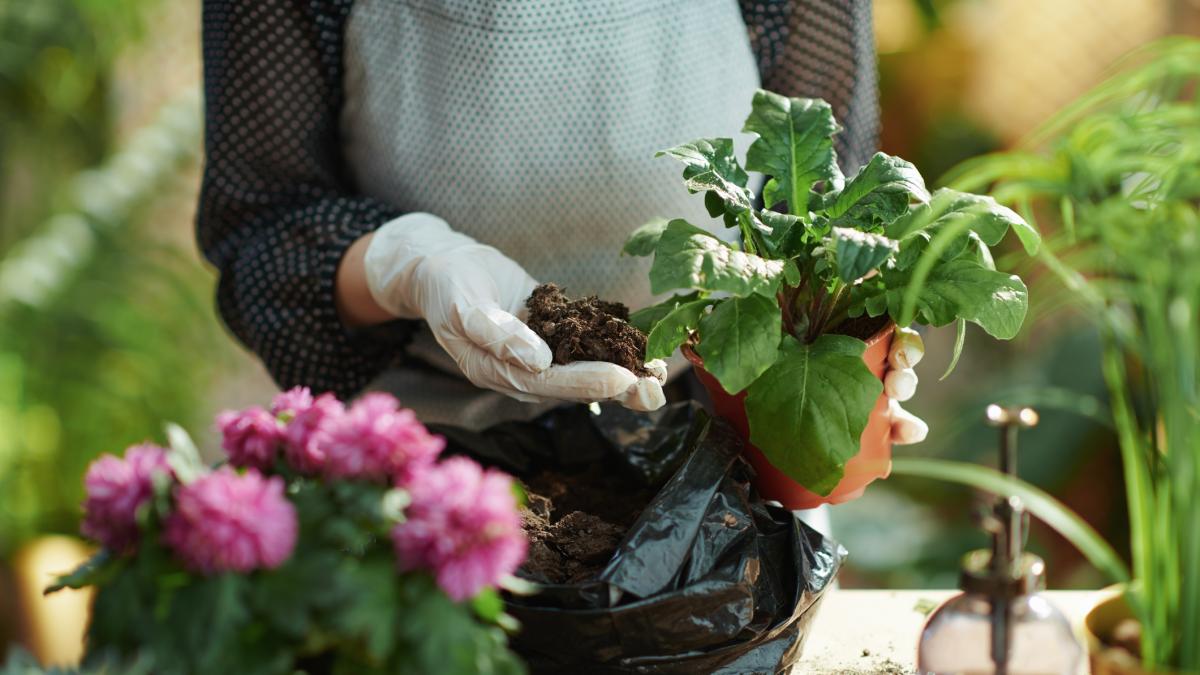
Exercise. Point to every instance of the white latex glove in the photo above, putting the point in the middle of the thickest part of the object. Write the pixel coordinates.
(471, 296)
(900, 384)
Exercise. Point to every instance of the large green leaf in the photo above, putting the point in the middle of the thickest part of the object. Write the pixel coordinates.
(958, 289)
(740, 339)
(857, 253)
(644, 239)
(794, 146)
(879, 193)
(712, 166)
(963, 212)
(688, 257)
(644, 319)
(808, 410)
(787, 233)
(673, 329)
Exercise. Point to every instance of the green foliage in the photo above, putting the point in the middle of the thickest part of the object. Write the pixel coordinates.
(762, 314)
(113, 330)
(813, 403)
(741, 339)
(1114, 179)
(108, 324)
(794, 147)
(687, 257)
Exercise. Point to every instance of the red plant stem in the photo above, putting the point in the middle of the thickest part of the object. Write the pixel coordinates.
(785, 305)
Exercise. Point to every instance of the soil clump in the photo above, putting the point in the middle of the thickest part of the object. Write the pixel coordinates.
(575, 522)
(588, 329)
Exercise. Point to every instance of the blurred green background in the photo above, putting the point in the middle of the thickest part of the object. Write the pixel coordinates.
(107, 327)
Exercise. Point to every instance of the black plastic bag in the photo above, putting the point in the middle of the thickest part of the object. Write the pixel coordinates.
(709, 579)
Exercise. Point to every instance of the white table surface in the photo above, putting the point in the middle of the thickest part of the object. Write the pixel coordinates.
(874, 631)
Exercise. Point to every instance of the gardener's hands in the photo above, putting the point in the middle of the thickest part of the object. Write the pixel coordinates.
(470, 294)
(900, 384)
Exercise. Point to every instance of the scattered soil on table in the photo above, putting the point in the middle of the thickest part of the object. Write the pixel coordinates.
(575, 522)
(863, 327)
(589, 329)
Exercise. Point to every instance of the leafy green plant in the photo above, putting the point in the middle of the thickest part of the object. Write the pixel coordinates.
(1114, 179)
(769, 316)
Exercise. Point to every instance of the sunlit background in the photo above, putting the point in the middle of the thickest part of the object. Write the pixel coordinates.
(107, 327)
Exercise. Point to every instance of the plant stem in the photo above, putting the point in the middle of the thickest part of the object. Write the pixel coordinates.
(785, 306)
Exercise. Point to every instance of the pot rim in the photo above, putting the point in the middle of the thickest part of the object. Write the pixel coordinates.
(1111, 604)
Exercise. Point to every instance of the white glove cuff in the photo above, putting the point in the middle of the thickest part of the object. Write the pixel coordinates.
(396, 249)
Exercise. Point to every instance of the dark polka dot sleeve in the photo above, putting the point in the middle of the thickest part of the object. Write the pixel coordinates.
(276, 209)
(822, 49)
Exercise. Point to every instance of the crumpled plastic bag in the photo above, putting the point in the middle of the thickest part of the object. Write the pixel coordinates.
(709, 579)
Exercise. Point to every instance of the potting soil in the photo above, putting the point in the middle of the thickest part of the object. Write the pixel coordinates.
(576, 521)
(588, 329)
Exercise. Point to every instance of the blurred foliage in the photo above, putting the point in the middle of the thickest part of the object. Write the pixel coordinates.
(107, 322)
(56, 59)
(1115, 180)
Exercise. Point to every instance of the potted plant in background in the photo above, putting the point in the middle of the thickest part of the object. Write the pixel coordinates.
(333, 541)
(790, 330)
(1115, 182)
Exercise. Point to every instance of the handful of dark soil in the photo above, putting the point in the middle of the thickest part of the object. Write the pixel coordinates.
(575, 522)
(589, 329)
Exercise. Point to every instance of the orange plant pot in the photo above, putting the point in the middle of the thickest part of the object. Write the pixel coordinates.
(874, 458)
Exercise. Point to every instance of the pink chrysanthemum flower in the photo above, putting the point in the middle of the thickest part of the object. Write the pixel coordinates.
(250, 437)
(307, 432)
(230, 522)
(116, 487)
(292, 402)
(377, 439)
(463, 525)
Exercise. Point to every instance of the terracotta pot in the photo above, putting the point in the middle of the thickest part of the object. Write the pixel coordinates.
(1098, 628)
(874, 459)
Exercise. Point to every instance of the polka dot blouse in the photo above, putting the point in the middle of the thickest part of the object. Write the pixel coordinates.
(280, 202)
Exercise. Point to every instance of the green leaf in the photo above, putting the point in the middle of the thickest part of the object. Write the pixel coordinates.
(1048, 509)
(791, 273)
(688, 257)
(92, 571)
(794, 147)
(487, 605)
(959, 289)
(674, 329)
(808, 411)
(644, 319)
(858, 252)
(965, 212)
(644, 239)
(960, 336)
(373, 608)
(739, 340)
(712, 167)
(879, 193)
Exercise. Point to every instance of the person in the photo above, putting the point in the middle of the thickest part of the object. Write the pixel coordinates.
(387, 180)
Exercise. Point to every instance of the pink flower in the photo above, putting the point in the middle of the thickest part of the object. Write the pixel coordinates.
(463, 525)
(292, 402)
(251, 437)
(115, 489)
(307, 432)
(377, 439)
(225, 521)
